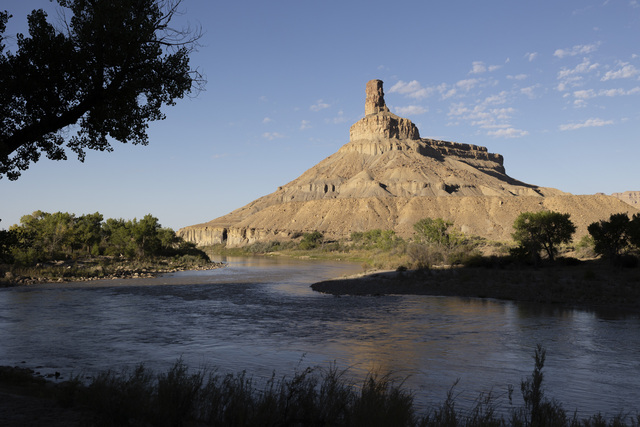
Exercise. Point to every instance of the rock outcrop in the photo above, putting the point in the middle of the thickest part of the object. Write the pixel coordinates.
(388, 177)
(630, 197)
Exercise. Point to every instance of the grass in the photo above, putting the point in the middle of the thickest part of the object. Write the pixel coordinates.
(310, 397)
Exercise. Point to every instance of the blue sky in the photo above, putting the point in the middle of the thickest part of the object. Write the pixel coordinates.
(553, 86)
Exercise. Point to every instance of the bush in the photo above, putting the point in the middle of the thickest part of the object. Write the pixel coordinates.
(542, 231)
(310, 240)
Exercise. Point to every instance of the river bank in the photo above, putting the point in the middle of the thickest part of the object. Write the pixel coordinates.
(102, 269)
(591, 284)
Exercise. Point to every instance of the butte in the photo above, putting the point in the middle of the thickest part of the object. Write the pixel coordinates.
(387, 177)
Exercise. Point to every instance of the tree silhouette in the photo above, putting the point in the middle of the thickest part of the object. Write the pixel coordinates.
(104, 76)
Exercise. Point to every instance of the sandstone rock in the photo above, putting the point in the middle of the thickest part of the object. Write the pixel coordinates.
(374, 103)
(630, 197)
(388, 177)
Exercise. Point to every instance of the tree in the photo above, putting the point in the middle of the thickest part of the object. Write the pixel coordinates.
(542, 231)
(437, 231)
(106, 75)
(88, 232)
(611, 237)
(145, 234)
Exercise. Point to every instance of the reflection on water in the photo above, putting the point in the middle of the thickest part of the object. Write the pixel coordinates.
(259, 315)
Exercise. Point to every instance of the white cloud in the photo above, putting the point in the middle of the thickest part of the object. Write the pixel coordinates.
(477, 67)
(572, 77)
(586, 124)
(272, 135)
(508, 133)
(529, 91)
(517, 77)
(266, 120)
(584, 94)
(582, 68)
(305, 124)
(531, 56)
(467, 84)
(340, 118)
(495, 120)
(499, 98)
(320, 105)
(581, 49)
(411, 110)
(625, 71)
(412, 89)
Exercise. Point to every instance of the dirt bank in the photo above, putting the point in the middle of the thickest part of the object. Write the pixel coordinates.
(588, 285)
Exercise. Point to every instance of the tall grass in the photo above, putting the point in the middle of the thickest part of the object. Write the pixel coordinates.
(310, 397)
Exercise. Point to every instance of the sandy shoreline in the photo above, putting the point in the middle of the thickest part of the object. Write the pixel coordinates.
(590, 285)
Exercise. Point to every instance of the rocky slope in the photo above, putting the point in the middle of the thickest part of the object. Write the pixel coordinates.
(630, 197)
(388, 177)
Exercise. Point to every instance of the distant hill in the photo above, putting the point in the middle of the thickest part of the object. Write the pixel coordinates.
(388, 177)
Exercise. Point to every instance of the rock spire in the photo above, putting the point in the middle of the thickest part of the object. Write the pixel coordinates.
(375, 98)
(379, 122)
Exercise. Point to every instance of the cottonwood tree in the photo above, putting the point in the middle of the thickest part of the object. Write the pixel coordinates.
(542, 231)
(103, 76)
(615, 236)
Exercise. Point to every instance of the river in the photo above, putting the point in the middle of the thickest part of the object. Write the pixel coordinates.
(259, 315)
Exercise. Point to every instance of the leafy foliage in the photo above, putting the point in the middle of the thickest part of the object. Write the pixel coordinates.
(311, 240)
(438, 242)
(616, 236)
(44, 236)
(107, 74)
(542, 231)
(378, 239)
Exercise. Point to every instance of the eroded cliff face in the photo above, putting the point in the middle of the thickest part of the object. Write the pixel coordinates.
(630, 197)
(388, 177)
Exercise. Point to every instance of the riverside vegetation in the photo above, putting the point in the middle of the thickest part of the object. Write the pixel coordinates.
(310, 397)
(542, 264)
(61, 246)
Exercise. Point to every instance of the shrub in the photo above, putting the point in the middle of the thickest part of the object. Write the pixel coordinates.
(615, 237)
(542, 231)
(310, 240)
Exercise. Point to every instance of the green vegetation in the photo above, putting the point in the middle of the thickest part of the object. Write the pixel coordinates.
(542, 238)
(541, 231)
(313, 396)
(61, 245)
(616, 237)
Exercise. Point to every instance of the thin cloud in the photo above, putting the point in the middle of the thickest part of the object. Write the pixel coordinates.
(467, 84)
(572, 77)
(581, 49)
(412, 89)
(266, 120)
(508, 133)
(625, 71)
(340, 118)
(517, 77)
(411, 110)
(496, 121)
(589, 123)
(320, 105)
(529, 91)
(305, 124)
(272, 135)
(499, 98)
(477, 67)
(531, 56)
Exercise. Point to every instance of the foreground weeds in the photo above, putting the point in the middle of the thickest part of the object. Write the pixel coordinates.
(311, 397)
